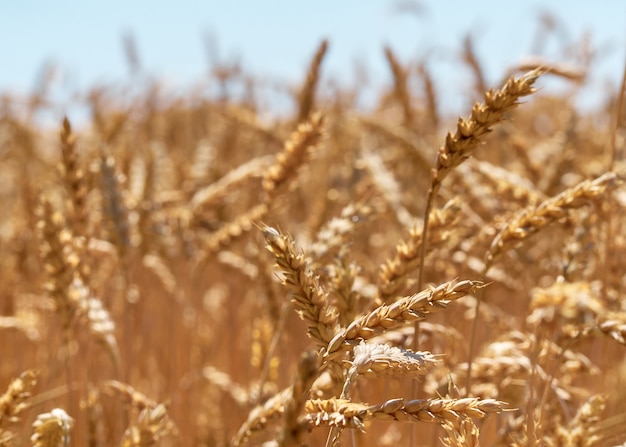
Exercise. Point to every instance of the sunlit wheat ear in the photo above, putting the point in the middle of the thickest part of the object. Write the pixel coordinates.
(263, 416)
(15, 400)
(535, 218)
(97, 318)
(376, 360)
(306, 98)
(59, 258)
(565, 302)
(52, 429)
(236, 228)
(586, 427)
(296, 153)
(73, 177)
(152, 425)
(463, 434)
(66, 285)
(459, 146)
(128, 395)
(402, 312)
(345, 414)
(225, 383)
(470, 131)
(508, 186)
(337, 231)
(310, 299)
(611, 324)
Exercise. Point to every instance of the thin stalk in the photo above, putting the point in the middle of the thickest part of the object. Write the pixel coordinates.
(420, 281)
(610, 225)
(272, 349)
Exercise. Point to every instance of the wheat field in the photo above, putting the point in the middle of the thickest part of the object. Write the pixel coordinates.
(187, 272)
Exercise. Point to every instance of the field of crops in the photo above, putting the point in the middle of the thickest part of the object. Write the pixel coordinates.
(189, 272)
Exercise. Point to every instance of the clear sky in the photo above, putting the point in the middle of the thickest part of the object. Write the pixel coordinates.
(276, 38)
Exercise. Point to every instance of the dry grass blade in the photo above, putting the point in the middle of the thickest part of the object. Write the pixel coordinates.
(401, 88)
(470, 58)
(562, 70)
(220, 188)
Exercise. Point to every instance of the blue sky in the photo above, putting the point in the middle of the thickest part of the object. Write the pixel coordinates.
(275, 39)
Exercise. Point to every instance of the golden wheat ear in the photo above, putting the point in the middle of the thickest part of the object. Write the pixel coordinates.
(306, 98)
(16, 400)
(310, 299)
(52, 429)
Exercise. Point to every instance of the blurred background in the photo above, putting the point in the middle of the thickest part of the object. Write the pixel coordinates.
(62, 50)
